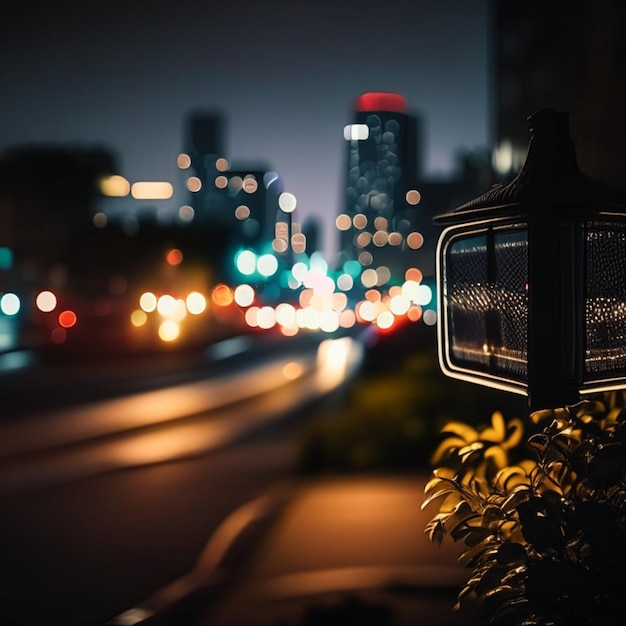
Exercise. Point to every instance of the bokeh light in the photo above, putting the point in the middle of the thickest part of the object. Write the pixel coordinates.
(413, 274)
(138, 318)
(169, 330)
(251, 316)
(152, 190)
(58, 335)
(292, 370)
(298, 243)
(250, 184)
(415, 240)
(287, 202)
(343, 222)
(244, 295)
(242, 212)
(148, 302)
(186, 213)
(100, 220)
(399, 305)
(67, 319)
(195, 303)
(222, 295)
(246, 262)
(424, 295)
(194, 184)
(267, 265)
(286, 314)
(345, 282)
(430, 317)
(183, 161)
(413, 197)
(366, 311)
(329, 321)
(366, 258)
(359, 221)
(10, 304)
(369, 278)
(266, 318)
(114, 186)
(166, 305)
(174, 257)
(385, 320)
(46, 301)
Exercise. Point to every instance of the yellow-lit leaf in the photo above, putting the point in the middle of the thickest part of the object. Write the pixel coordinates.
(464, 431)
(515, 432)
(446, 448)
(435, 531)
(497, 455)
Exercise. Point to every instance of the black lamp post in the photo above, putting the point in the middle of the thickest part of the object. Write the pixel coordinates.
(532, 278)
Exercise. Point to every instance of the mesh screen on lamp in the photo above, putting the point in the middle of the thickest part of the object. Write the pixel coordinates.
(605, 303)
(485, 310)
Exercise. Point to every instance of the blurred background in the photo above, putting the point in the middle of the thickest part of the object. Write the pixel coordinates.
(217, 256)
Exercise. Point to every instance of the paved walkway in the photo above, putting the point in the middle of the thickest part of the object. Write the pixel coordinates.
(338, 547)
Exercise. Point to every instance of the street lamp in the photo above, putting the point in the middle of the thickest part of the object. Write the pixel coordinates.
(532, 278)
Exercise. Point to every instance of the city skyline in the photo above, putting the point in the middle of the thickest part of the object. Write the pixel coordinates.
(285, 77)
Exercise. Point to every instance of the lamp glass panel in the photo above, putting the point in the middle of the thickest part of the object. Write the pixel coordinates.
(486, 295)
(605, 301)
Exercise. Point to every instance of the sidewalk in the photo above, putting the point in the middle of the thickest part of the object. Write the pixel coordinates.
(320, 549)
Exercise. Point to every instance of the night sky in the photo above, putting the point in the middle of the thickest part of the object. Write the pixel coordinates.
(285, 73)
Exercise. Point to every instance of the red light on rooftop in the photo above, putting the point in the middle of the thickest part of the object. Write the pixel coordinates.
(381, 101)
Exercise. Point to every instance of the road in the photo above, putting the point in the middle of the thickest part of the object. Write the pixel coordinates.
(104, 502)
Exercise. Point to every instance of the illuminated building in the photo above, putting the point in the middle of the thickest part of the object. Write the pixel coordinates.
(380, 213)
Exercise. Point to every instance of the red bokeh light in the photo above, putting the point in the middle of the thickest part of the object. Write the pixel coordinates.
(174, 257)
(67, 319)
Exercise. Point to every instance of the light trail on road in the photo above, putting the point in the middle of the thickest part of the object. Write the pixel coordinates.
(168, 424)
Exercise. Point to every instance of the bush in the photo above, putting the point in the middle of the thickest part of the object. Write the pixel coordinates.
(545, 538)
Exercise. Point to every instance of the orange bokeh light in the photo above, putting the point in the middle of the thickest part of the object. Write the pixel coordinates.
(67, 319)
(174, 257)
(222, 295)
(414, 313)
(413, 274)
